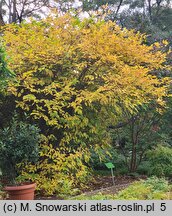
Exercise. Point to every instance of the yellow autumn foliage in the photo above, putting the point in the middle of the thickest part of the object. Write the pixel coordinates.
(76, 64)
(72, 77)
(57, 172)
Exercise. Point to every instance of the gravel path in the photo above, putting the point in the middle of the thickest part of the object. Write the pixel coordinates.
(109, 190)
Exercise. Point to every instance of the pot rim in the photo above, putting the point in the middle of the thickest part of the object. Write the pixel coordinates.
(20, 187)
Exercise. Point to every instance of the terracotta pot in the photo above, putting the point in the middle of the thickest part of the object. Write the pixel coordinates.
(22, 192)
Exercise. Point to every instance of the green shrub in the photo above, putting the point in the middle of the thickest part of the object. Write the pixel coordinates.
(152, 188)
(160, 161)
(157, 184)
(18, 143)
(144, 168)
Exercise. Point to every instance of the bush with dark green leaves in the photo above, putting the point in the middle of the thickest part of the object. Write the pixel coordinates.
(7, 101)
(160, 161)
(18, 143)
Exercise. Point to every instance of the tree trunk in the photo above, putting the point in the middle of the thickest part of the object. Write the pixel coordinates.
(158, 2)
(14, 14)
(1, 20)
(150, 9)
(118, 8)
(134, 138)
(1, 16)
(133, 164)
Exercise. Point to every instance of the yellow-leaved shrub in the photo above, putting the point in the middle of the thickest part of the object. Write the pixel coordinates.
(58, 172)
(73, 79)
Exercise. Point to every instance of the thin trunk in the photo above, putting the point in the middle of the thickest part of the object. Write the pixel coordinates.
(133, 159)
(10, 11)
(158, 2)
(1, 20)
(1, 14)
(144, 9)
(14, 15)
(133, 164)
(150, 9)
(20, 17)
(118, 8)
(141, 157)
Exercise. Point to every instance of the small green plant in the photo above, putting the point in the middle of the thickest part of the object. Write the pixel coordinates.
(18, 142)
